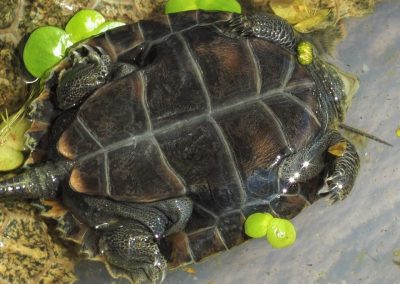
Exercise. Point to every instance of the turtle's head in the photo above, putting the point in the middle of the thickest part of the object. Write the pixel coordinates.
(339, 87)
(350, 85)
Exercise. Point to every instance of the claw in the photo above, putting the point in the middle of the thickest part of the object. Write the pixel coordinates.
(85, 54)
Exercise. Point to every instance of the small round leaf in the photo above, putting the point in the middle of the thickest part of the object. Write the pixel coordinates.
(176, 6)
(82, 24)
(256, 225)
(106, 26)
(281, 233)
(44, 48)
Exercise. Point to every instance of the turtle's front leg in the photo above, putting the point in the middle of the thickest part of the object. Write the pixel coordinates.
(90, 70)
(266, 26)
(310, 161)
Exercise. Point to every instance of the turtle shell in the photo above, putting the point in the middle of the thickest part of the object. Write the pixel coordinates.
(205, 115)
(27, 253)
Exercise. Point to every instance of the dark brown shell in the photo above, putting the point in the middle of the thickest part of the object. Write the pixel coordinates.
(200, 118)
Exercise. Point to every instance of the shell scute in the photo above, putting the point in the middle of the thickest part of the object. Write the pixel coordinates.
(118, 40)
(288, 206)
(275, 64)
(200, 218)
(176, 250)
(230, 227)
(139, 172)
(205, 243)
(233, 73)
(116, 111)
(254, 136)
(197, 152)
(180, 21)
(169, 103)
(288, 109)
(89, 176)
(211, 18)
(76, 141)
(156, 28)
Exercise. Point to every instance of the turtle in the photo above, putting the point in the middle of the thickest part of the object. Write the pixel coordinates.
(25, 241)
(165, 134)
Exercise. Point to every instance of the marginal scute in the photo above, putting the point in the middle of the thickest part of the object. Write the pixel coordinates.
(231, 228)
(124, 37)
(176, 250)
(155, 28)
(288, 206)
(89, 177)
(212, 17)
(76, 141)
(181, 21)
(205, 243)
(199, 219)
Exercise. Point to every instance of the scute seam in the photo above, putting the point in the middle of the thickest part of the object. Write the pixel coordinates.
(180, 179)
(256, 63)
(232, 160)
(87, 129)
(133, 139)
(277, 122)
(197, 70)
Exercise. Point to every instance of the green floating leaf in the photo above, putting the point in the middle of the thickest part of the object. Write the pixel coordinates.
(176, 6)
(281, 233)
(256, 225)
(106, 26)
(220, 5)
(44, 48)
(10, 158)
(83, 23)
(12, 142)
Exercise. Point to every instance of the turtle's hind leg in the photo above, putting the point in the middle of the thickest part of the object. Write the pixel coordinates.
(132, 248)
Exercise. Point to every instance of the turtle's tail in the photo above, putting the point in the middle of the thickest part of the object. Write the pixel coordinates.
(38, 182)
